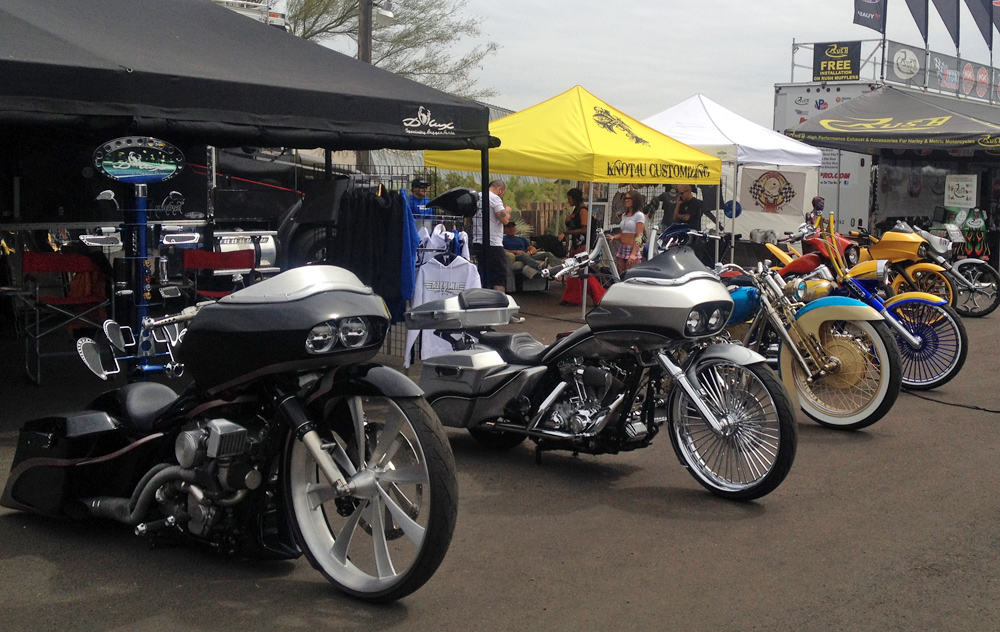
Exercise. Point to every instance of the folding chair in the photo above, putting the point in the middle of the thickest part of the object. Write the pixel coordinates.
(235, 263)
(62, 290)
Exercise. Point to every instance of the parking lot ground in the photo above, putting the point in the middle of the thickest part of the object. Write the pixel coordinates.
(894, 527)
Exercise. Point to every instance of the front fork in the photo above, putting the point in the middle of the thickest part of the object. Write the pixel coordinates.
(291, 410)
(679, 377)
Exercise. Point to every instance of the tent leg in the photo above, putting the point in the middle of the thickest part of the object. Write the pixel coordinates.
(590, 219)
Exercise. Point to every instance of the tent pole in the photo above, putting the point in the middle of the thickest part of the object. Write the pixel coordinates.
(586, 273)
(718, 207)
(484, 161)
(735, 198)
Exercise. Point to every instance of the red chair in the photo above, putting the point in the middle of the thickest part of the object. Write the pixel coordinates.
(235, 263)
(63, 291)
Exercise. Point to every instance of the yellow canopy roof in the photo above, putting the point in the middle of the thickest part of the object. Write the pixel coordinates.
(576, 136)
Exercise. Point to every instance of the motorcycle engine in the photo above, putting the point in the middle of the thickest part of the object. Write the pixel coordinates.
(581, 408)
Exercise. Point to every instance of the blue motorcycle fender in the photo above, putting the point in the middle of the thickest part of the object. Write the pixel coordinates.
(845, 308)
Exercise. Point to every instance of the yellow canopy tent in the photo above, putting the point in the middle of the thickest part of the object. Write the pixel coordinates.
(576, 136)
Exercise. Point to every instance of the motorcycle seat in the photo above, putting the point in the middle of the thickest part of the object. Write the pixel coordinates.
(518, 348)
(143, 402)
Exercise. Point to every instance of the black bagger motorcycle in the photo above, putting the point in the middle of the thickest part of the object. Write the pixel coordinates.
(646, 359)
(287, 441)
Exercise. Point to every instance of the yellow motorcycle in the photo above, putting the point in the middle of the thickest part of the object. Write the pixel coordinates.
(906, 252)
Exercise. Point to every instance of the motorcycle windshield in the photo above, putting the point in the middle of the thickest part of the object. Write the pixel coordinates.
(672, 264)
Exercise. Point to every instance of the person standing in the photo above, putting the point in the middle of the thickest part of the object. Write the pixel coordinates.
(816, 213)
(687, 209)
(495, 264)
(416, 202)
(633, 226)
(576, 230)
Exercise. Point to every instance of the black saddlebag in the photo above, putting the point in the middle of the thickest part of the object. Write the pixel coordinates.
(56, 456)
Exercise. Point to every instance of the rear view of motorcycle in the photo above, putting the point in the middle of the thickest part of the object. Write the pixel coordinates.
(287, 441)
(646, 360)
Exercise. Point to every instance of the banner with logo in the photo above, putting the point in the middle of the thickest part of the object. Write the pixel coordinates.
(945, 74)
(893, 118)
(773, 191)
(905, 64)
(870, 13)
(836, 61)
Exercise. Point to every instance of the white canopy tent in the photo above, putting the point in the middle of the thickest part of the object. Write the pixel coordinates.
(704, 124)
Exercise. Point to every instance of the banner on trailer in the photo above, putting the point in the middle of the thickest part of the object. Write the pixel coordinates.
(836, 61)
(773, 191)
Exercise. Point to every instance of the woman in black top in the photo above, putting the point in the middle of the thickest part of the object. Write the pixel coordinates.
(576, 222)
(576, 230)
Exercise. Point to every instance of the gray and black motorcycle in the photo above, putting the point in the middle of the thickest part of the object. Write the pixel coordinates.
(287, 440)
(644, 360)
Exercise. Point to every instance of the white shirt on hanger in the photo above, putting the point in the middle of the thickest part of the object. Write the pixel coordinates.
(434, 281)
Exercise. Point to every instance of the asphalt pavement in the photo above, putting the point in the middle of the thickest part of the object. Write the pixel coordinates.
(894, 527)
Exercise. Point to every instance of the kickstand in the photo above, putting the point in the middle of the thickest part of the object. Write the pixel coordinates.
(538, 454)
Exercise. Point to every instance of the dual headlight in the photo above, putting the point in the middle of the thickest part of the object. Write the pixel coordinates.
(708, 318)
(352, 332)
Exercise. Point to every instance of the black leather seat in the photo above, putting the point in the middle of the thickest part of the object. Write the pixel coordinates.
(519, 348)
(143, 402)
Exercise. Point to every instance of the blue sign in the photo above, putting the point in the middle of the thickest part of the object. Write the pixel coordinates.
(138, 159)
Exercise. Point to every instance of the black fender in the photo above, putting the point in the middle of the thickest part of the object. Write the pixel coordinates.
(363, 379)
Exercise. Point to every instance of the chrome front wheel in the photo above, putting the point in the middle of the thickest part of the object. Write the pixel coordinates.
(751, 451)
(387, 536)
(943, 344)
(981, 297)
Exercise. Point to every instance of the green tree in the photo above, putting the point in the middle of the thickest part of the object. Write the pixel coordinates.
(418, 45)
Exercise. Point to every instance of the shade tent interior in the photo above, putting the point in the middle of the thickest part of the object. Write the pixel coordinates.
(737, 141)
(192, 73)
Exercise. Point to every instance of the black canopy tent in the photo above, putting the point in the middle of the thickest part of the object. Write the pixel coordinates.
(892, 118)
(193, 73)
(188, 70)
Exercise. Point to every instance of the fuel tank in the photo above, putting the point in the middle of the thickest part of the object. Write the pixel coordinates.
(303, 319)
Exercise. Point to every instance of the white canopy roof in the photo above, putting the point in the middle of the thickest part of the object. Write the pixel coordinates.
(704, 124)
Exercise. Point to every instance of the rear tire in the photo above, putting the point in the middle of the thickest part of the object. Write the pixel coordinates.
(753, 451)
(386, 538)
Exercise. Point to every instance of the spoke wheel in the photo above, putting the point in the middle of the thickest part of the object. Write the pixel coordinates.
(943, 344)
(388, 536)
(982, 297)
(930, 281)
(752, 451)
(865, 384)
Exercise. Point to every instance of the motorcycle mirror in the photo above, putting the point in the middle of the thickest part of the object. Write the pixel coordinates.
(113, 331)
(90, 353)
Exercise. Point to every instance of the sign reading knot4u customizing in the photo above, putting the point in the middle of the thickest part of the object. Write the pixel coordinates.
(138, 159)
(837, 61)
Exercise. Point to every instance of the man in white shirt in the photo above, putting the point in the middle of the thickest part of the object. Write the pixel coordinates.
(495, 264)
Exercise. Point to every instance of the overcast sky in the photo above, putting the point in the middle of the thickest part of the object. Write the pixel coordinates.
(643, 57)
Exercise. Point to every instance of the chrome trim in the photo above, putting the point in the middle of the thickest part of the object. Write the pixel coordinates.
(681, 280)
